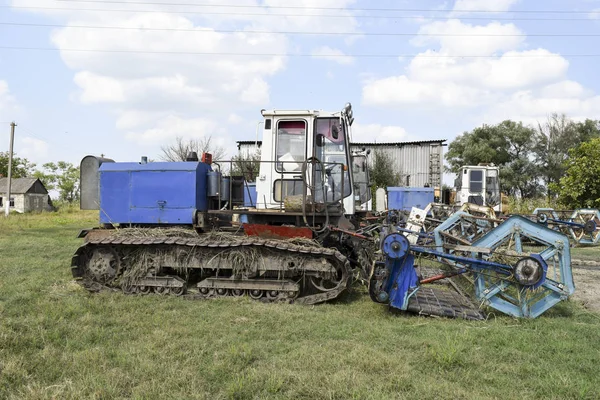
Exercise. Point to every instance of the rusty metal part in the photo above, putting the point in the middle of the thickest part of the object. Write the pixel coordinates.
(277, 232)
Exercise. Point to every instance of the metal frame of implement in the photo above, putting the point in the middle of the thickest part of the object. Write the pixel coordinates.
(539, 278)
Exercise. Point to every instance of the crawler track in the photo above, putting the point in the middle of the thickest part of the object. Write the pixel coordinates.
(204, 267)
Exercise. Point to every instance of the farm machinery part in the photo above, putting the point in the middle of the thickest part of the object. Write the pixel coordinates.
(519, 268)
(461, 228)
(583, 225)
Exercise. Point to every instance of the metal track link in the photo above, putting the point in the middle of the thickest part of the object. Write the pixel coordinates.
(108, 244)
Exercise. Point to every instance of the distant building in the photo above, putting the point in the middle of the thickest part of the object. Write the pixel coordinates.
(419, 163)
(26, 194)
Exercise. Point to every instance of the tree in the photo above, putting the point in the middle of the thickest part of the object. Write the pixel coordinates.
(179, 150)
(510, 145)
(558, 135)
(580, 186)
(21, 167)
(247, 165)
(382, 172)
(63, 177)
(482, 145)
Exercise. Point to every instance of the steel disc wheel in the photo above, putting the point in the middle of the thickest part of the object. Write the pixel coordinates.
(272, 294)
(178, 291)
(144, 289)
(255, 294)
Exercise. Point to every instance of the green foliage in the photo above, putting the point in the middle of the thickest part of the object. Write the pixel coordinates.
(580, 186)
(526, 206)
(63, 177)
(558, 135)
(382, 172)
(511, 146)
(21, 167)
(482, 145)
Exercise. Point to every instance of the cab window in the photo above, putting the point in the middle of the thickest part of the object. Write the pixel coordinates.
(291, 145)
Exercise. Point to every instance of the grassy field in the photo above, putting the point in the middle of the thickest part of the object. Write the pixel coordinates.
(587, 253)
(58, 341)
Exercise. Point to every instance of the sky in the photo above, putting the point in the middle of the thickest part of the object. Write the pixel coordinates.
(78, 79)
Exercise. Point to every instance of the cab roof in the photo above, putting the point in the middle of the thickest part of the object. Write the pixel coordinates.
(298, 113)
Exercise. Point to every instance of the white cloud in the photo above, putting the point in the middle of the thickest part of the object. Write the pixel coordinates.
(8, 104)
(514, 69)
(565, 89)
(336, 55)
(35, 150)
(484, 5)
(398, 90)
(531, 106)
(475, 40)
(378, 133)
(234, 119)
(440, 78)
(256, 93)
(168, 128)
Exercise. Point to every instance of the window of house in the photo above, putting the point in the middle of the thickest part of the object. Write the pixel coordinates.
(1, 200)
(12, 202)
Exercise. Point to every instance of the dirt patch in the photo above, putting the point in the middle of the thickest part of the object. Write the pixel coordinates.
(587, 286)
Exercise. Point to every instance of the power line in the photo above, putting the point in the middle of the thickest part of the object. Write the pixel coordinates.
(201, 30)
(330, 8)
(293, 54)
(227, 13)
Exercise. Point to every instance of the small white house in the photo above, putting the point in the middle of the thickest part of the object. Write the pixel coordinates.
(26, 194)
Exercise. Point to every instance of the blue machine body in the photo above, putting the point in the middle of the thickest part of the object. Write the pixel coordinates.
(153, 193)
(404, 198)
(402, 280)
(250, 194)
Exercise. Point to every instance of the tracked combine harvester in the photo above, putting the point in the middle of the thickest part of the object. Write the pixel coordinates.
(190, 228)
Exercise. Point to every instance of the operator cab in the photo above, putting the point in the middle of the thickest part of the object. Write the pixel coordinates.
(362, 182)
(478, 185)
(306, 149)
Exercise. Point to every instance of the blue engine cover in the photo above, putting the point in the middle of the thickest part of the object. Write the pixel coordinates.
(152, 193)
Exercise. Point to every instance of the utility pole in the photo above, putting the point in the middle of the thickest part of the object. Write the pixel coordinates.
(10, 159)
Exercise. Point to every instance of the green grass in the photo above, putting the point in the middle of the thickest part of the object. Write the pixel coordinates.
(589, 253)
(58, 341)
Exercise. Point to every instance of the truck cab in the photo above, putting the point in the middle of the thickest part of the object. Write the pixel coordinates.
(478, 184)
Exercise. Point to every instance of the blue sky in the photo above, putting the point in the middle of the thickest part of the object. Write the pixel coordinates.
(124, 105)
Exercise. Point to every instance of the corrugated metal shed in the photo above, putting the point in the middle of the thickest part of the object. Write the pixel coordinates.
(419, 163)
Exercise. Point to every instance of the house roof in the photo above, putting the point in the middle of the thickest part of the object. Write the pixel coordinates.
(19, 185)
